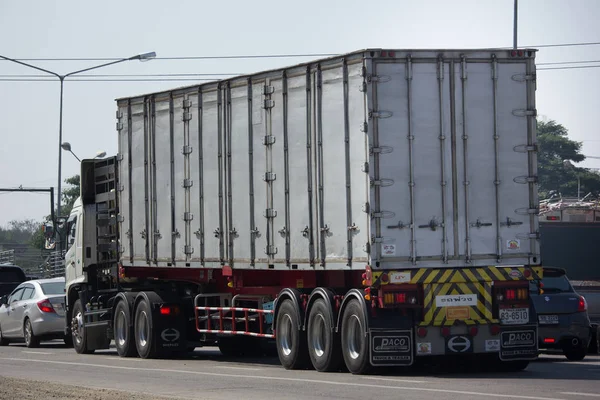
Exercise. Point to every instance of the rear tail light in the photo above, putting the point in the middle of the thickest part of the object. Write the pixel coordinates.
(445, 331)
(473, 331)
(422, 332)
(552, 218)
(169, 310)
(495, 329)
(390, 298)
(582, 306)
(512, 294)
(45, 306)
(549, 340)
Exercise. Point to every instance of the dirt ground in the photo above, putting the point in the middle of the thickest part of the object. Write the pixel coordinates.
(23, 389)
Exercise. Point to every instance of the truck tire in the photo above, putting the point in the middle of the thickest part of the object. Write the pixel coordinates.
(122, 331)
(291, 341)
(324, 346)
(355, 346)
(78, 330)
(513, 366)
(144, 332)
(230, 346)
(576, 354)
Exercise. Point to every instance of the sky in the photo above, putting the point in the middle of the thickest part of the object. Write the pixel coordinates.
(50, 29)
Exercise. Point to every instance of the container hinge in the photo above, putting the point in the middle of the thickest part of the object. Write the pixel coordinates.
(176, 233)
(120, 218)
(186, 116)
(187, 150)
(523, 77)
(198, 234)
(364, 127)
(255, 232)
(524, 148)
(383, 214)
(188, 250)
(524, 113)
(509, 222)
(217, 233)
(234, 233)
(527, 211)
(268, 103)
(378, 78)
(119, 114)
(187, 103)
(271, 250)
(399, 225)
(366, 208)
(353, 229)
(120, 188)
(326, 230)
(381, 150)
(268, 90)
(128, 233)
(119, 157)
(380, 114)
(363, 87)
(270, 176)
(365, 167)
(119, 126)
(382, 182)
(187, 183)
(187, 216)
(525, 179)
(305, 232)
(270, 213)
(269, 140)
(157, 235)
(479, 223)
(367, 247)
(433, 225)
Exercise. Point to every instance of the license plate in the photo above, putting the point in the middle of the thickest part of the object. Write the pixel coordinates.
(514, 316)
(548, 319)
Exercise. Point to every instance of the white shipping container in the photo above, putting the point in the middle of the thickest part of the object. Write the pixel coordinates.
(395, 158)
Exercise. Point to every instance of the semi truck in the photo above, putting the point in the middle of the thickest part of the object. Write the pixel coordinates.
(372, 209)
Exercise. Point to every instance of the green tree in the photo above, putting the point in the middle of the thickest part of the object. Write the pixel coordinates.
(556, 157)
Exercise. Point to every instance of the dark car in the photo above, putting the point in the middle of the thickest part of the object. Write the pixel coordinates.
(563, 320)
(11, 276)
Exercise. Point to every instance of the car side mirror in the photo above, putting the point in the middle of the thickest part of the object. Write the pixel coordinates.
(3, 300)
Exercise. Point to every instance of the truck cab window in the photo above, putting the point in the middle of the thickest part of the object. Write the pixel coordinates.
(71, 229)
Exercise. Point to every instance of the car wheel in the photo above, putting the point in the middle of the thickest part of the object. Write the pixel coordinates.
(3, 341)
(576, 354)
(30, 339)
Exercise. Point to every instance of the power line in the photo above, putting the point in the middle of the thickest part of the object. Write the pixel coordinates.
(258, 56)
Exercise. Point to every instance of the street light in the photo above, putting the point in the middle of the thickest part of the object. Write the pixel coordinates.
(67, 147)
(140, 57)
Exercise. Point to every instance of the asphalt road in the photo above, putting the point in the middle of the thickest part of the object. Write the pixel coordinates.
(206, 374)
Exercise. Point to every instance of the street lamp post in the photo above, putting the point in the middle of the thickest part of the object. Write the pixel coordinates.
(140, 57)
(67, 147)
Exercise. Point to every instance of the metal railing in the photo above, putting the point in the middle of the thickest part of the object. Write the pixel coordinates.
(7, 257)
(54, 266)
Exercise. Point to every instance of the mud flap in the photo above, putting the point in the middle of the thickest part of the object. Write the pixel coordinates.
(391, 348)
(519, 343)
(170, 333)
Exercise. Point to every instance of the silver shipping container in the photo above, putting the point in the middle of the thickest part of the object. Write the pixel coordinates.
(392, 158)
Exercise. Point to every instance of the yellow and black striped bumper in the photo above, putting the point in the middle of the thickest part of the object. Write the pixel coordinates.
(471, 288)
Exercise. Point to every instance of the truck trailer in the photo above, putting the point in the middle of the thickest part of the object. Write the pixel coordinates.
(372, 209)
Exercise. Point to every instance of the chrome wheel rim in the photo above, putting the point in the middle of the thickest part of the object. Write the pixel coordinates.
(121, 329)
(143, 329)
(27, 332)
(317, 335)
(285, 335)
(77, 328)
(354, 337)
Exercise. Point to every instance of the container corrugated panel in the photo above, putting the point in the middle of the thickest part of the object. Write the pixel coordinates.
(397, 159)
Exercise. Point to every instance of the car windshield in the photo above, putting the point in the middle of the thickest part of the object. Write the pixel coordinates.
(53, 288)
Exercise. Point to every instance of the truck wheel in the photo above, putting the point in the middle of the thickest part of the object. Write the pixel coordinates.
(230, 346)
(323, 343)
(145, 338)
(122, 331)
(355, 348)
(291, 341)
(78, 330)
(513, 366)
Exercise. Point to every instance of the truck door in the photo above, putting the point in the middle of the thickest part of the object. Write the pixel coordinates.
(73, 266)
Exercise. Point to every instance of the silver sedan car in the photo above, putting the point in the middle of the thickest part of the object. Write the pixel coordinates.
(34, 311)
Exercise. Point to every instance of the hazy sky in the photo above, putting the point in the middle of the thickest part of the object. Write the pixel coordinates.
(114, 29)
